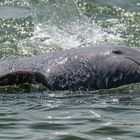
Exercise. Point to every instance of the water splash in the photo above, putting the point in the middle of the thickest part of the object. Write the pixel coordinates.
(50, 25)
(59, 24)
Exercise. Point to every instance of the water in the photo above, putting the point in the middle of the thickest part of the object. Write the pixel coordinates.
(29, 28)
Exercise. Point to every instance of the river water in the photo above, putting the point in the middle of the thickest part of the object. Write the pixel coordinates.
(33, 27)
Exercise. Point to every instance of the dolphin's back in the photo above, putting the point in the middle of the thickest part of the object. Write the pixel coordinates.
(103, 66)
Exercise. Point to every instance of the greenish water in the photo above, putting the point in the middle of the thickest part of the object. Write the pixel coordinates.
(33, 27)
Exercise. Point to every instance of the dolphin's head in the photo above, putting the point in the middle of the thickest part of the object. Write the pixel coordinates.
(125, 55)
(120, 65)
(129, 54)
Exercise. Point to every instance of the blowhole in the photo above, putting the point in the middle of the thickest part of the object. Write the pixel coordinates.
(116, 51)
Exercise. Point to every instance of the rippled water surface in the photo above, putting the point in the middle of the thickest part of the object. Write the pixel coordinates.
(33, 27)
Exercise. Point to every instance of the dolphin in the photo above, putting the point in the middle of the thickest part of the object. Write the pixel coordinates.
(83, 68)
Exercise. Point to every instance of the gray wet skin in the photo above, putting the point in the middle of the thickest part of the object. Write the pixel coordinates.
(90, 68)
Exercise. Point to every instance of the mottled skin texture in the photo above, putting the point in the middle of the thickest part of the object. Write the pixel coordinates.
(100, 67)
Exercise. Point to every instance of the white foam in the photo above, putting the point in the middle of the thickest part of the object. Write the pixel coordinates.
(53, 30)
